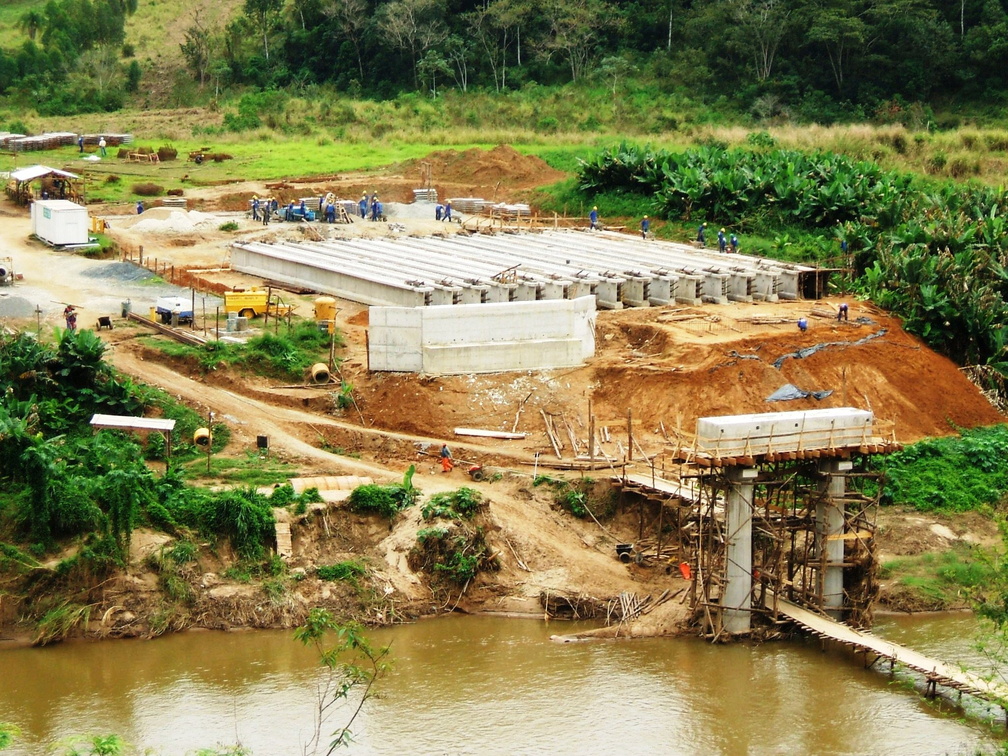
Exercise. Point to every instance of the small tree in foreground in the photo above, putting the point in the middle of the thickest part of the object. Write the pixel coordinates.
(353, 666)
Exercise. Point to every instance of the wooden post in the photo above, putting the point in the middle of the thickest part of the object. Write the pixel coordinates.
(269, 297)
(192, 306)
(591, 442)
(629, 433)
(217, 322)
(140, 256)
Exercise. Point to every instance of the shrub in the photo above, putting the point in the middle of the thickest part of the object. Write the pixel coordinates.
(229, 226)
(348, 570)
(167, 152)
(148, 190)
(760, 139)
(463, 503)
(175, 192)
(385, 500)
(452, 554)
(112, 179)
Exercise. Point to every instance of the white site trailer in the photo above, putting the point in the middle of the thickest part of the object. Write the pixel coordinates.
(59, 222)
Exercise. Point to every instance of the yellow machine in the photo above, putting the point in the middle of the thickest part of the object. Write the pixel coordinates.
(251, 303)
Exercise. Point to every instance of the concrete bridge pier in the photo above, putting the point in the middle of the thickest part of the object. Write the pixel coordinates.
(736, 601)
(829, 533)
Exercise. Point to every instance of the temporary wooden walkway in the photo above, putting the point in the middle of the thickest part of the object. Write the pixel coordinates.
(285, 548)
(935, 672)
(651, 486)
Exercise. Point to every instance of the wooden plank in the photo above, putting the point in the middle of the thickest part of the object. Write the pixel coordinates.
(550, 436)
(934, 670)
(486, 433)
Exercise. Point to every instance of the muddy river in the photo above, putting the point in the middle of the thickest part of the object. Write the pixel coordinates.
(482, 685)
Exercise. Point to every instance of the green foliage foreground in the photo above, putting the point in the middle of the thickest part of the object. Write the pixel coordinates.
(387, 500)
(954, 474)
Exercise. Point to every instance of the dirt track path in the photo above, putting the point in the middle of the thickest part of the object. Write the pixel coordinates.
(285, 426)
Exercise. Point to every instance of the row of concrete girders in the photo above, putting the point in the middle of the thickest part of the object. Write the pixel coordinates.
(413, 257)
(314, 270)
(375, 272)
(544, 266)
(666, 271)
(540, 274)
(749, 277)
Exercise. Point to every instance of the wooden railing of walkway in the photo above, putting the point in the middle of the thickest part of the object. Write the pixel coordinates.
(935, 672)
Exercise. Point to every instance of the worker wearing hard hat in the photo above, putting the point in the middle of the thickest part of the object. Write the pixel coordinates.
(593, 218)
(363, 206)
(701, 235)
(722, 241)
(645, 226)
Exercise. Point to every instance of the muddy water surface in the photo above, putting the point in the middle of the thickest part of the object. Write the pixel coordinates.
(479, 685)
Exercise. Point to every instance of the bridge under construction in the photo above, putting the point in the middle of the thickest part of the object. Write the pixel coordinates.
(771, 518)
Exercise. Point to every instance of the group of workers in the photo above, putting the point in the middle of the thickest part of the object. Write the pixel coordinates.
(371, 205)
(443, 212)
(262, 209)
(102, 144)
(725, 243)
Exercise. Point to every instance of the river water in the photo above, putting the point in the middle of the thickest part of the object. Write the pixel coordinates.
(488, 685)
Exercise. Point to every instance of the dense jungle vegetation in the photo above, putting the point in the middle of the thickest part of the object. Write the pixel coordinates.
(823, 61)
(61, 481)
(933, 253)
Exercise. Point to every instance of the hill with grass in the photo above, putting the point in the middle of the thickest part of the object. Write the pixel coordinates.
(787, 60)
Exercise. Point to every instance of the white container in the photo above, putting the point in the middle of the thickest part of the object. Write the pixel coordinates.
(59, 222)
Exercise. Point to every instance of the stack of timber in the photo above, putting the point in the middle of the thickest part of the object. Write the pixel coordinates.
(563, 606)
(111, 140)
(471, 205)
(629, 606)
(505, 210)
(7, 137)
(48, 141)
(425, 195)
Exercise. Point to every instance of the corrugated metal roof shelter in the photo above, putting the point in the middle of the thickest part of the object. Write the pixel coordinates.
(33, 172)
(58, 184)
(144, 424)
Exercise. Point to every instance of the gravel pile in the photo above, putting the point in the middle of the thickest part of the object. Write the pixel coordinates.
(163, 220)
(15, 307)
(119, 271)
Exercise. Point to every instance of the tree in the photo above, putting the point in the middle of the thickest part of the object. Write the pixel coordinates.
(574, 27)
(353, 667)
(458, 51)
(265, 17)
(615, 67)
(838, 28)
(432, 64)
(484, 25)
(30, 23)
(101, 66)
(414, 26)
(762, 25)
(197, 49)
(352, 17)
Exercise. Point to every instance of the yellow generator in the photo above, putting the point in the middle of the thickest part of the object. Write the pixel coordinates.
(325, 314)
(250, 303)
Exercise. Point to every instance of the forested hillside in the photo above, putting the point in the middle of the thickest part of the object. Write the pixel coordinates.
(821, 60)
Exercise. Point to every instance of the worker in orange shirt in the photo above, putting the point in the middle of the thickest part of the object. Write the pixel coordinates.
(447, 463)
